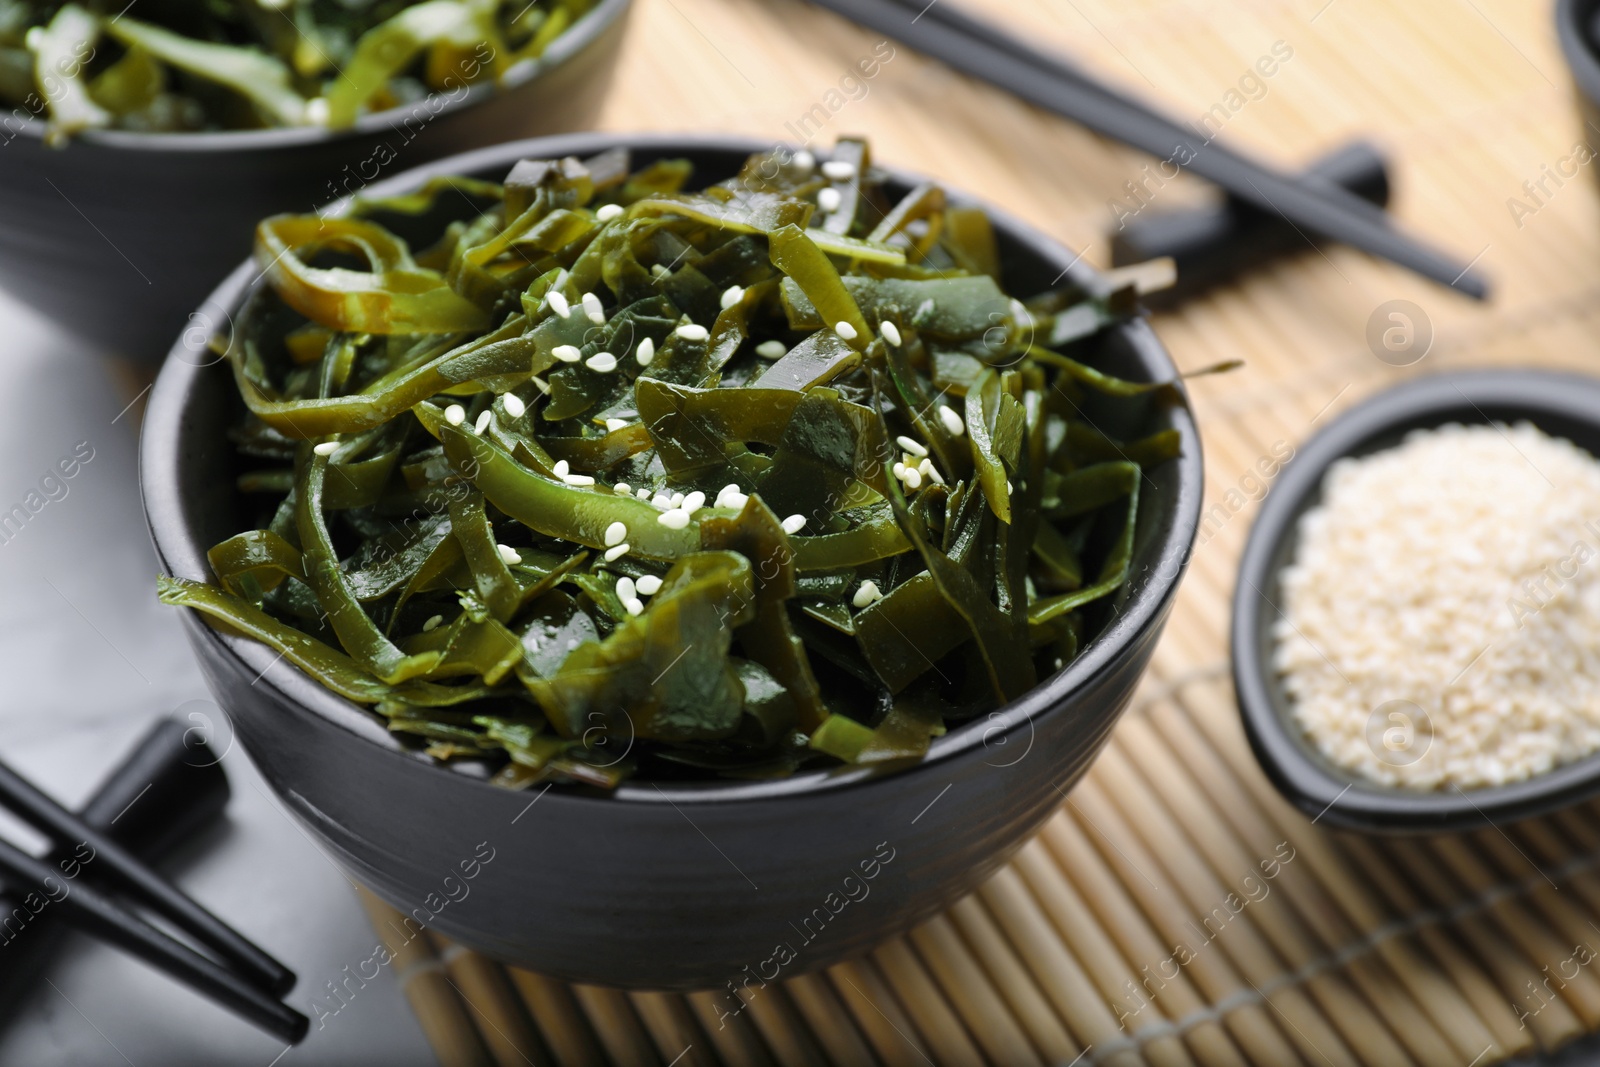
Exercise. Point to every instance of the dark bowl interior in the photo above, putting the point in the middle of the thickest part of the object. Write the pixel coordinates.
(675, 885)
(117, 236)
(1562, 405)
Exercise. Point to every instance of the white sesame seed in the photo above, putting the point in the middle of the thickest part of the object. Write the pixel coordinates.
(829, 200)
(732, 295)
(622, 489)
(609, 212)
(912, 445)
(592, 309)
(604, 362)
(561, 468)
(771, 350)
(913, 478)
(643, 494)
(513, 405)
(625, 590)
(675, 519)
(326, 448)
(645, 352)
(693, 502)
(432, 623)
(1402, 535)
(659, 270)
(484, 419)
(845, 330)
(649, 585)
(930, 472)
(540, 382)
(952, 421)
(733, 501)
(662, 501)
(890, 331)
(567, 353)
(692, 331)
(677, 500)
(868, 593)
(616, 533)
(899, 469)
(616, 552)
(454, 414)
(559, 303)
(1009, 489)
(794, 524)
(635, 606)
(579, 479)
(613, 425)
(508, 555)
(317, 110)
(839, 170)
(805, 162)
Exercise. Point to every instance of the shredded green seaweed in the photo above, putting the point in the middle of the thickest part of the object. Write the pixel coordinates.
(613, 478)
(168, 66)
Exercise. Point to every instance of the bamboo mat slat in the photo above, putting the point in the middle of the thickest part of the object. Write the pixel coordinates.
(1140, 925)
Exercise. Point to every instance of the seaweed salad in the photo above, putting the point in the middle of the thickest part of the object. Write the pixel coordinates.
(184, 65)
(588, 475)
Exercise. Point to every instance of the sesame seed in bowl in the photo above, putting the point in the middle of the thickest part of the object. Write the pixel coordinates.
(1440, 626)
(1416, 631)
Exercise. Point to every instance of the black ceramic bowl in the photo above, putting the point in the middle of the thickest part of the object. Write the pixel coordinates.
(118, 236)
(1562, 405)
(683, 885)
(1579, 34)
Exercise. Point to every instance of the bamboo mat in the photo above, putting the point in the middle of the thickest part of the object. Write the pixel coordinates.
(1141, 925)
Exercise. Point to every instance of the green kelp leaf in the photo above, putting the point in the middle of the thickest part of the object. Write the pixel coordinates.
(665, 674)
(262, 78)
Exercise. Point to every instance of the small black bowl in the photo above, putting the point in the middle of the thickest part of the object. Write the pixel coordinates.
(118, 236)
(674, 885)
(1579, 34)
(1562, 405)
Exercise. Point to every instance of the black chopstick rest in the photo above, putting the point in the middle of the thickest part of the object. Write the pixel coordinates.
(165, 793)
(115, 866)
(1214, 244)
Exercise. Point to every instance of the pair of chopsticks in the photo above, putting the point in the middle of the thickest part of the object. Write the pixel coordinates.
(247, 981)
(940, 30)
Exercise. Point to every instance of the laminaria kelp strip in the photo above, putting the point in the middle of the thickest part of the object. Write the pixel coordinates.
(169, 67)
(612, 477)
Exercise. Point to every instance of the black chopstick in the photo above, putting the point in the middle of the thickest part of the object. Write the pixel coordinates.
(970, 46)
(114, 864)
(83, 906)
(158, 798)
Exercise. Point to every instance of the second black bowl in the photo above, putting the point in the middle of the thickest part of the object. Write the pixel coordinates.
(677, 885)
(1562, 405)
(117, 236)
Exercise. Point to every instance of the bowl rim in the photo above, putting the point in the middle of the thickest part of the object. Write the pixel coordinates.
(589, 28)
(1580, 51)
(1306, 778)
(1146, 605)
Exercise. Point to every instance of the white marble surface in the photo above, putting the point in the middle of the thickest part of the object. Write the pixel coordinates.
(90, 658)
